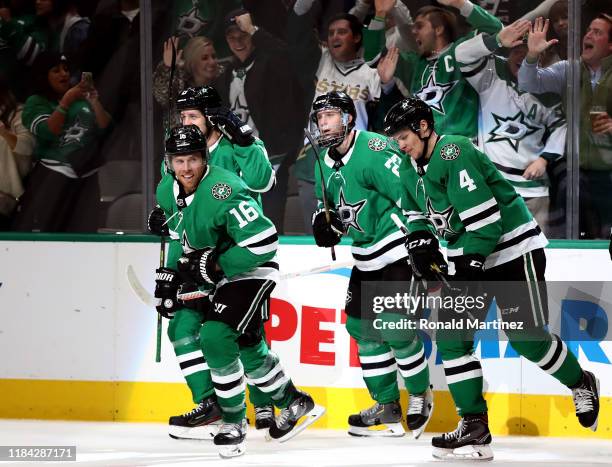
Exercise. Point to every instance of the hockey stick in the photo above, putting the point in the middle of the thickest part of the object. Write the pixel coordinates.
(315, 148)
(139, 290)
(162, 260)
(162, 246)
(434, 267)
(149, 300)
(318, 269)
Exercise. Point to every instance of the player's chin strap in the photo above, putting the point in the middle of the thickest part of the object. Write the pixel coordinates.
(333, 152)
(423, 160)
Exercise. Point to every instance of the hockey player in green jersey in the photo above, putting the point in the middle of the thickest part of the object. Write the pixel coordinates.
(362, 187)
(432, 73)
(231, 144)
(242, 154)
(228, 250)
(491, 237)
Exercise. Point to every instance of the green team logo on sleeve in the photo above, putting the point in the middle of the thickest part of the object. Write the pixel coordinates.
(450, 152)
(377, 144)
(221, 191)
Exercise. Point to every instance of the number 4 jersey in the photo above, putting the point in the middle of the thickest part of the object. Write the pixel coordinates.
(221, 215)
(472, 205)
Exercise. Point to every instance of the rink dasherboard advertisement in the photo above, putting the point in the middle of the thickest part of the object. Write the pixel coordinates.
(82, 344)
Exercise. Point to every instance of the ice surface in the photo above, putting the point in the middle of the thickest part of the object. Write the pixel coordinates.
(143, 444)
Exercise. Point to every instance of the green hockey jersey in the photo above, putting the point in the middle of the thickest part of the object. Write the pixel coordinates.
(364, 187)
(437, 80)
(79, 131)
(472, 205)
(250, 163)
(222, 215)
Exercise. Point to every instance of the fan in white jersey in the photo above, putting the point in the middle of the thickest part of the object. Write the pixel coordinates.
(520, 133)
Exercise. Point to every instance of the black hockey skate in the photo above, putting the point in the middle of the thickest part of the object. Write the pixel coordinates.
(420, 408)
(201, 423)
(586, 400)
(378, 420)
(288, 423)
(231, 439)
(470, 441)
(264, 416)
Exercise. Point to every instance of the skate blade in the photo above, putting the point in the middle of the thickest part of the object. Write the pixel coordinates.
(206, 432)
(388, 430)
(473, 452)
(306, 420)
(419, 431)
(227, 451)
(593, 427)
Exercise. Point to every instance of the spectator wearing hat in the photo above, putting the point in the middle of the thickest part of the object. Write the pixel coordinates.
(62, 194)
(260, 86)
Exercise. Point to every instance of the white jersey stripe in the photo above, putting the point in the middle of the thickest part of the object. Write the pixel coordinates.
(477, 209)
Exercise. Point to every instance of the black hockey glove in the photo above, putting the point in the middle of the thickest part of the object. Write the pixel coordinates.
(199, 266)
(231, 126)
(469, 267)
(425, 257)
(157, 222)
(166, 287)
(327, 234)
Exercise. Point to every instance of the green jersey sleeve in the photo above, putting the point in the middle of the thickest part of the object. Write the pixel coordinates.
(373, 42)
(483, 21)
(254, 237)
(472, 198)
(255, 167)
(36, 112)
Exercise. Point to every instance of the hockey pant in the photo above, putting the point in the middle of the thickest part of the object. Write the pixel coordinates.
(184, 334)
(236, 352)
(462, 369)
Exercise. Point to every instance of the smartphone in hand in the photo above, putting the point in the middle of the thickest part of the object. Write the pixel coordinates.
(87, 79)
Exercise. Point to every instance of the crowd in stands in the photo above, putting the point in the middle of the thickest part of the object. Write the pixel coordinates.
(70, 95)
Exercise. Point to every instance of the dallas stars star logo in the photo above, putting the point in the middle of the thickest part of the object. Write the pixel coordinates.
(349, 212)
(187, 247)
(191, 23)
(240, 109)
(440, 219)
(74, 133)
(433, 93)
(511, 129)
